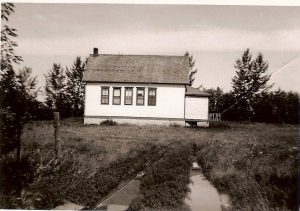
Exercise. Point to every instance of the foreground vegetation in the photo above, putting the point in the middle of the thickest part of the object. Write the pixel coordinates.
(165, 184)
(256, 164)
(51, 180)
(255, 176)
(79, 186)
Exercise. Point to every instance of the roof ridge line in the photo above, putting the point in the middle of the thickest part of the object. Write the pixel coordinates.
(137, 55)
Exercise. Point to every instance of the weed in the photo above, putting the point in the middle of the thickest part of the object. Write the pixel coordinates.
(14, 177)
(165, 184)
(254, 175)
(242, 160)
(221, 125)
(70, 179)
(108, 122)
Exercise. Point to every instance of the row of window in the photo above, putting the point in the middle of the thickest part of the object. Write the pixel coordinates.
(128, 96)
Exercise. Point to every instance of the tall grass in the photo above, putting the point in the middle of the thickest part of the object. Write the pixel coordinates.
(256, 176)
(71, 179)
(165, 184)
(254, 163)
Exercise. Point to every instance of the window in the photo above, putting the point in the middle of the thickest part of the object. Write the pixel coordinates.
(140, 93)
(152, 96)
(128, 96)
(105, 95)
(117, 96)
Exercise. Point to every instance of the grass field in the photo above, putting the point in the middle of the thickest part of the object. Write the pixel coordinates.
(256, 164)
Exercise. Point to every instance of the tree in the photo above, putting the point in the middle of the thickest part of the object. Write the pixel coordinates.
(16, 90)
(277, 107)
(55, 89)
(75, 86)
(251, 78)
(192, 70)
(215, 100)
(8, 56)
(16, 111)
(27, 83)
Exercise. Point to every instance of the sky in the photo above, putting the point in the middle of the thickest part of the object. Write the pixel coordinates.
(215, 35)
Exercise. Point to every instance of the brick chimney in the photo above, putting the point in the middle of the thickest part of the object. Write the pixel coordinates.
(95, 51)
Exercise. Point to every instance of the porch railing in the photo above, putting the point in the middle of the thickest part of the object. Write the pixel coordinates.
(214, 117)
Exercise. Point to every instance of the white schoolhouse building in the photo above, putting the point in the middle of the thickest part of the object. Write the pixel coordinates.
(141, 89)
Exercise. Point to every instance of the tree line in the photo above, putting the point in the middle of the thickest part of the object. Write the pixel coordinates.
(251, 98)
(64, 89)
(18, 90)
(269, 106)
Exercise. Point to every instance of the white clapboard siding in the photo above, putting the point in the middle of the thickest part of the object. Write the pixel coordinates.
(169, 101)
(196, 108)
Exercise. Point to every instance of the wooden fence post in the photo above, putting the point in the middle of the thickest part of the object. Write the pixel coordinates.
(56, 135)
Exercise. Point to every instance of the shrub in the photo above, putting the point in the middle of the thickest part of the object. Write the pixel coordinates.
(14, 177)
(108, 122)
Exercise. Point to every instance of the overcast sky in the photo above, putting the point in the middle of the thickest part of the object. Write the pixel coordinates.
(215, 35)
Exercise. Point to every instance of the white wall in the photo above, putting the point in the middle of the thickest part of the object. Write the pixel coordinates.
(164, 122)
(169, 101)
(196, 108)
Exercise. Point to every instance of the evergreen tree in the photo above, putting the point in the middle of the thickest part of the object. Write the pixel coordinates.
(258, 76)
(240, 82)
(251, 78)
(75, 86)
(192, 70)
(55, 88)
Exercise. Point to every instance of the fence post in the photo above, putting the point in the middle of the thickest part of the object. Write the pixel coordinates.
(56, 135)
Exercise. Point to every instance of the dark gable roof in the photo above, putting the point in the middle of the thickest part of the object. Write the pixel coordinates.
(137, 69)
(190, 91)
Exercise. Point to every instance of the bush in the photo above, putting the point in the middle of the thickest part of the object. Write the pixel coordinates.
(108, 122)
(14, 177)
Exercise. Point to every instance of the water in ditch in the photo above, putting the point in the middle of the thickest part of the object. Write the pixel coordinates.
(203, 195)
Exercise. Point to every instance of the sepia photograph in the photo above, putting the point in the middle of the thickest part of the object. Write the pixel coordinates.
(150, 105)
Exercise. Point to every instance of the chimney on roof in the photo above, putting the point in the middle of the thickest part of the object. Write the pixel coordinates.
(95, 51)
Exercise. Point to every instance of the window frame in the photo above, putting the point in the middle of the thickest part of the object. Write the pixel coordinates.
(113, 95)
(155, 89)
(102, 88)
(137, 89)
(128, 88)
